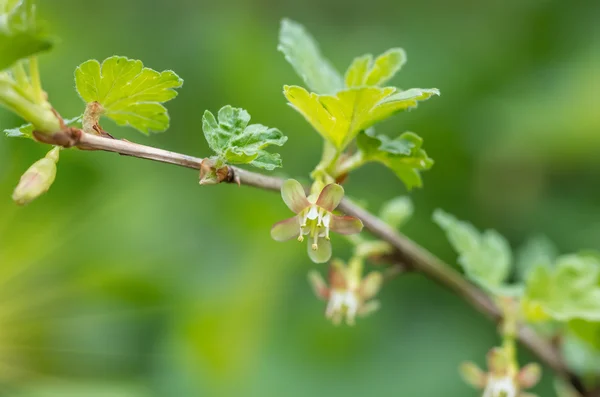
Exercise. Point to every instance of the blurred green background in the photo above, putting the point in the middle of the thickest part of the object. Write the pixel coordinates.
(130, 280)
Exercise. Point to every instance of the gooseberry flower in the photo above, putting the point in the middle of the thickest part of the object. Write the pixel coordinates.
(503, 379)
(348, 294)
(314, 218)
(37, 179)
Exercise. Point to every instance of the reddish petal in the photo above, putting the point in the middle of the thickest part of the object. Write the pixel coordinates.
(330, 196)
(497, 362)
(345, 224)
(318, 285)
(529, 376)
(294, 196)
(286, 230)
(323, 252)
(337, 275)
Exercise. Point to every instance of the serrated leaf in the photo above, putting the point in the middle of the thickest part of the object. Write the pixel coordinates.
(365, 72)
(302, 52)
(20, 36)
(569, 290)
(26, 130)
(236, 142)
(485, 257)
(402, 155)
(340, 117)
(130, 93)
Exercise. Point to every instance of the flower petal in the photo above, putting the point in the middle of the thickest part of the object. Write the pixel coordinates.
(330, 196)
(371, 285)
(497, 362)
(473, 375)
(294, 196)
(529, 376)
(286, 230)
(346, 224)
(323, 252)
(337, 275)
(368, 308)
(318, 285)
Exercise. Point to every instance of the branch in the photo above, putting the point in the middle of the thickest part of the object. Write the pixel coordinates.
(407, 252)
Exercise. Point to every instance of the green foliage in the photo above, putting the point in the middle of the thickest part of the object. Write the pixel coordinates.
(20, 36)
(485, 257)
(403, 155)
(568, 290)
(397, 211)
(537, 251)
(363, 72)
(340, 117)
(236, 142)
(130, 93)
(26, 130)
(302, 52)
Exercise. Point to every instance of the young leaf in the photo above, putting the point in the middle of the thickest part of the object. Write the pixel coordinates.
(236, 142)
(397, 211)
(302, 52)
(129, 93)
(485, 257)
(567, 291)
(340, 117)
(537, 251)
(402, 155)
(19, 35)
(26, 130)
(364, 72)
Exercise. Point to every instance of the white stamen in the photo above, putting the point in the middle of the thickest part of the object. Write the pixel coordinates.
(500, 387)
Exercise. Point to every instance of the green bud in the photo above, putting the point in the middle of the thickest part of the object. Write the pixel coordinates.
(37, 179)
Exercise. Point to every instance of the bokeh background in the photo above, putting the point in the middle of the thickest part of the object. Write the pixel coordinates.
(130, 280)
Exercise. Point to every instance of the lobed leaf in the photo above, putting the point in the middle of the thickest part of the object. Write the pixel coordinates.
(20, 37)
(130, 93)
(340, 117)
(236, 142)
(402, 155)
(569, 290)
(365, 72)
(302, 52)
(485, 257)
(397, 211)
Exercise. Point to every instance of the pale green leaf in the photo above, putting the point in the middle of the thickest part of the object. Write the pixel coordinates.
(365, 72)
(302, 52)
(397, 211)
(236, 142)
(485, 257)
(340, 117)
(569, 290)
(537, 251)
(130, 93)
(403, 155)
(20, 35)
(26, 130)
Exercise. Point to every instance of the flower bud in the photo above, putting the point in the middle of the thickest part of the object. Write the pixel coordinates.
(37, 179)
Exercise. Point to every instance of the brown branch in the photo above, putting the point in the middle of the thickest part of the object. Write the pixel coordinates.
(407, 252)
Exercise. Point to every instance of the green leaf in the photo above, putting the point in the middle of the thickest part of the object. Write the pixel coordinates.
(537, 251)
(569, 290)
(402, 155)
(586, 331)
(485, 257)
(26, 130)
(302, 52)
(20, 37)
(340, 117)
(364, 72)
(397, 211)
(129, 93)
(236, 142)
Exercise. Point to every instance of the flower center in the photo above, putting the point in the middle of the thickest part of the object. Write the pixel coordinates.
(314, 221)
(500, 387)
(342, 302)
